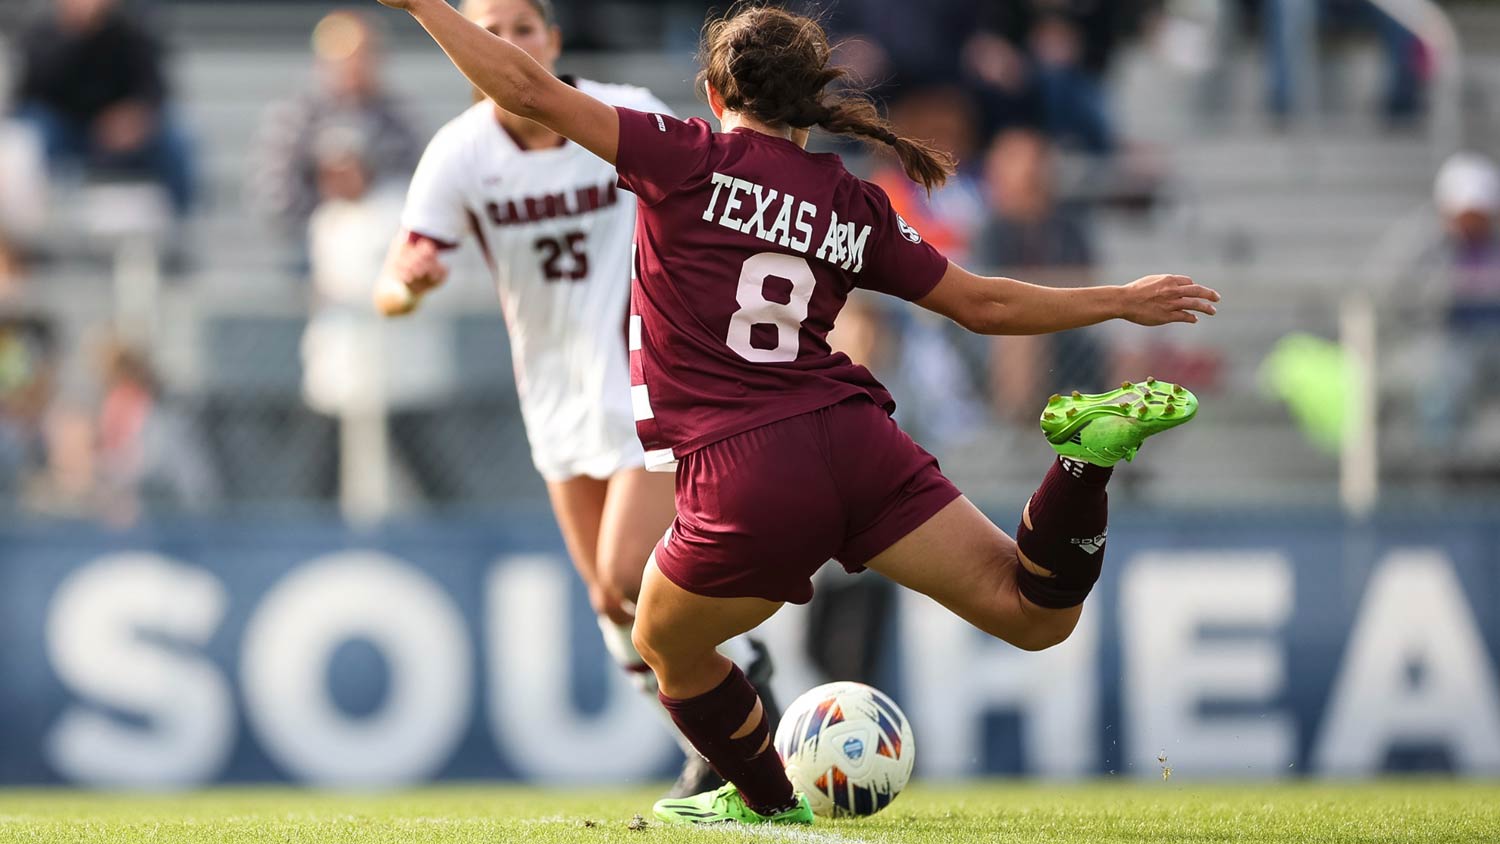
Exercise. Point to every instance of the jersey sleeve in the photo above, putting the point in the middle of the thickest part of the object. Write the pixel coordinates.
(649, 103)
(659, 153)
(435, 201)
(900, 263)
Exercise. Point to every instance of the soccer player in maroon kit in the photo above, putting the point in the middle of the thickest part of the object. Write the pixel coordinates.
(786, 456)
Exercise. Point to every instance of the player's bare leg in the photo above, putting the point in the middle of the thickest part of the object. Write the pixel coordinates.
(637, 510)
(1029, 591)
(638, 507)
(960, 559)
(582, 508)
(681, 632)
(578, 504)
(601, 523)
(712, 702)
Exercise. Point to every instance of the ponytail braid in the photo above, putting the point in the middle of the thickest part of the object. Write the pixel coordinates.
(854, 114)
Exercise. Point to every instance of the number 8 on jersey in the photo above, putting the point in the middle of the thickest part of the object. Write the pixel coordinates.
(765, 299)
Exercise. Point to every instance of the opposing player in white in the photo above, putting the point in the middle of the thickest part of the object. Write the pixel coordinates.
(557, 233)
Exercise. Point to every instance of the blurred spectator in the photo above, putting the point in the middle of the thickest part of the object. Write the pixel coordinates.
(1291, 30)
(91, 82)
(1032, 236)
(1467, 195)
(10, 267)
(348, 95)
(149, 455)
(1046, 61)
(948, 216)
(911, 352)
(864, 333)
(914, 348)
(907, 43)
(27, 369)
(355, 362)
(1448, 278)
(23, 198)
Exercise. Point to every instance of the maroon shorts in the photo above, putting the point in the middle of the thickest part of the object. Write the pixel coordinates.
(760, 512)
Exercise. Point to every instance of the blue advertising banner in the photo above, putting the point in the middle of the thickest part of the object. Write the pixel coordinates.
(1259, 646)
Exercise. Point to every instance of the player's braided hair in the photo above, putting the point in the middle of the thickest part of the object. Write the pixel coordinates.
(774, 64)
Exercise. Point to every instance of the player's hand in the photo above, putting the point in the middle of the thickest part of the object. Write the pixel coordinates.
(418, 266)
(610, 604)
(393, 298)
(1160, 299)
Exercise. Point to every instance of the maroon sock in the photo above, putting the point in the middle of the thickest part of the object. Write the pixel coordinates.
(1069, 517)
(750, 762)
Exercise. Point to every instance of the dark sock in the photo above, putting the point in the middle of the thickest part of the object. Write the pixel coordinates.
(1069, 516)
(750, 762)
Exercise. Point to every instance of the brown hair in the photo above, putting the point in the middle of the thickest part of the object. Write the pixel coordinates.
(774, 64)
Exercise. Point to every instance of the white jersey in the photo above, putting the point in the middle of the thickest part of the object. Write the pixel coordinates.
(557, 231)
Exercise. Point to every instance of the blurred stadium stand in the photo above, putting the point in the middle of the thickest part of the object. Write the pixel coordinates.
(1282, 220)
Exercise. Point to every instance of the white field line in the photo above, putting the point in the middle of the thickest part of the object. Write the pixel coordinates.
(786, 833)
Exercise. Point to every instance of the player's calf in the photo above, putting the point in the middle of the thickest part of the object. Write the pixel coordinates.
(1062, 534)
(728, 725)
(1064, 526)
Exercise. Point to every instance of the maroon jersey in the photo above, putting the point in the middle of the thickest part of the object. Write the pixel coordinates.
(747, 247)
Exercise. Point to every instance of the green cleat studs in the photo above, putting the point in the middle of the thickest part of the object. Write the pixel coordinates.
(1105, 428)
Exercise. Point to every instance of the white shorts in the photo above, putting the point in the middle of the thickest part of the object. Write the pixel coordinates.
(560, 453)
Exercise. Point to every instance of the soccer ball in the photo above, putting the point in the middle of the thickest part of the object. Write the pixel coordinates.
(848, 747)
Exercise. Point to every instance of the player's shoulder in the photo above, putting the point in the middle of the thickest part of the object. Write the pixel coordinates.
(881, 209)
(627, 96)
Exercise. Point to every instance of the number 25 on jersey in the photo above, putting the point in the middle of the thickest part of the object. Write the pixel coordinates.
(553, 250)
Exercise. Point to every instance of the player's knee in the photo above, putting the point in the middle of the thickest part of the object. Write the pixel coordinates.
(1040, 638)
(657, 647)
(621, 575)
(1040, 631)
(645, 642)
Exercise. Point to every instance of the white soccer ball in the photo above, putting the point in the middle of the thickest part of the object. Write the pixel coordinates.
(848, 747)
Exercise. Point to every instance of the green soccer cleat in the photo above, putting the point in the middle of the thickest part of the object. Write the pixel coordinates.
(1105, 428)
(726, 806)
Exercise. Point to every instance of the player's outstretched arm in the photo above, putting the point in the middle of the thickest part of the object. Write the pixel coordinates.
(515, 81)
(987, 305)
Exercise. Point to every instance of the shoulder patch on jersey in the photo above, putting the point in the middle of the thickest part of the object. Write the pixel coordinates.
(660, 124)
(907, 231)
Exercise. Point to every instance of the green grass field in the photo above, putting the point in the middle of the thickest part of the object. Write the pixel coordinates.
(1384, 813)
